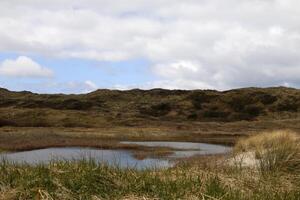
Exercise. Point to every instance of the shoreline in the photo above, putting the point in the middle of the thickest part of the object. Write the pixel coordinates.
(30, 138)
(138, 151)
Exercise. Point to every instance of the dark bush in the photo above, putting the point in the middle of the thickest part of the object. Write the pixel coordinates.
(215, 114)
(288, 105)
(253, 110)
(238, 103)
(32, 104)
(58, 103)
(5, 122)
(74, 104)
(192, 116)
(157, 110)
(267, 99)
(163, 92)
(8, 102)
(239, 116)
(201, 97)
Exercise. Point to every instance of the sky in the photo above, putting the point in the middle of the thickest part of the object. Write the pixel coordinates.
(77, 46)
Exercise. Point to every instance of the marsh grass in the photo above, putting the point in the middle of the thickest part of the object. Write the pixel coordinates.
(208, 178)
(277, 151)
(87, 179)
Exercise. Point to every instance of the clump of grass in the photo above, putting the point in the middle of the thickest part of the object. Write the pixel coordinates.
(275, 151)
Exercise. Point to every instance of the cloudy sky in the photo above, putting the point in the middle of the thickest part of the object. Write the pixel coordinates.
(76, 46)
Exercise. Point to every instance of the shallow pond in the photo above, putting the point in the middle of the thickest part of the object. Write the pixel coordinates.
(188, 149)
(121, 158)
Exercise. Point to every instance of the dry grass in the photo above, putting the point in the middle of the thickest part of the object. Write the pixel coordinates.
(275, 151)
(205, 178)
(21, 138)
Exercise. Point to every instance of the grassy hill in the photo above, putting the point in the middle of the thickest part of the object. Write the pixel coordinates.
(136, 107)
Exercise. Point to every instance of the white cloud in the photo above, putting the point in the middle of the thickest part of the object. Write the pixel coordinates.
(167, 84)
(178, 84)
(50, 86)
(90, 85)
(192, 43)
(77, 86)
(23, 67)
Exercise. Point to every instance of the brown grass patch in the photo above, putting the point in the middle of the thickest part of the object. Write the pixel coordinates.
(275, 151)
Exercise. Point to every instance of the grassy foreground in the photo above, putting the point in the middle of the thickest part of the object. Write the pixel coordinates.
(87, 180)
(205, 178)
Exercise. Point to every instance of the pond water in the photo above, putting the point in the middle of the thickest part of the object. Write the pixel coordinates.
(121, 158)
(188, 149)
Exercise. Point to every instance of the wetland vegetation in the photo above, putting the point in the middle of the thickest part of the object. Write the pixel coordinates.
(263, 165)
(210, 177)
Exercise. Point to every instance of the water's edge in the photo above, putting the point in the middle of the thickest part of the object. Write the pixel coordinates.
(116, 157)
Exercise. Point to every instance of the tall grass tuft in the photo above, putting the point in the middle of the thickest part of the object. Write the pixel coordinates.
(275, 151)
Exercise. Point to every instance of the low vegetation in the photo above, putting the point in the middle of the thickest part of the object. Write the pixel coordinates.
(105, 108)
(275, 151)
(88, 180)
(103, 118)
(208, 178)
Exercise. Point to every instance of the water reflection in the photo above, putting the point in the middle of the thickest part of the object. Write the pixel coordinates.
(120, 158)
